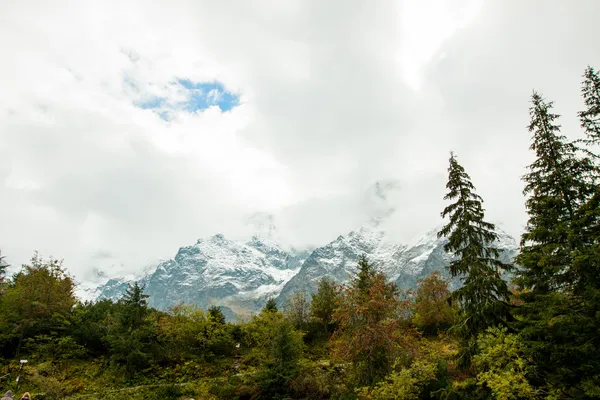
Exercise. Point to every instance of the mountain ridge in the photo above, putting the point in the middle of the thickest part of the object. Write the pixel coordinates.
(239, 276)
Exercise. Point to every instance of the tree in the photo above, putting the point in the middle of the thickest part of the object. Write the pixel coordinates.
(556, 185)
(590, 117)
(298, 309)
(282, 362)
(270, 306)
(215, 313)
(502, 365)
(370, 332)
(38, 301)
(560, 280)
(132, 334)
(432, 309)
(323, 303)
(484, 296)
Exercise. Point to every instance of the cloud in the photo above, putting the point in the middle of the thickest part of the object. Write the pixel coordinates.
(130, 129)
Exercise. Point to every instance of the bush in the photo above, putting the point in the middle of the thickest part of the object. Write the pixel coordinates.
(404, 385)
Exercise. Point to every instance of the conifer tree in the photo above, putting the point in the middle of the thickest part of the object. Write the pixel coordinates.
(590, 117)
(557, 320)
(270, 306)
(323, 303)
(484, 296)
(216, 315)
(557, 187)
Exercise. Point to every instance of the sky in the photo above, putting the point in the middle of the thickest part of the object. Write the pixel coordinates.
(131, 128)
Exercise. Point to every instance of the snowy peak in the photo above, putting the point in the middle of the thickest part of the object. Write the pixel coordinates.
(241, 276)
(404, 264)
(216, 270)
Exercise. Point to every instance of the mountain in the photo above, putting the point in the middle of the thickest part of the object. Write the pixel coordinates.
(404, 264)
(237, 276)
(240, 276)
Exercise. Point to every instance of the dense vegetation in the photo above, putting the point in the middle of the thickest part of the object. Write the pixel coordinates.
(537, 337)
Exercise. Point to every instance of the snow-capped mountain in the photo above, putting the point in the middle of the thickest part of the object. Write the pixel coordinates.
(240, 276)
(403, 264)
(237, 276)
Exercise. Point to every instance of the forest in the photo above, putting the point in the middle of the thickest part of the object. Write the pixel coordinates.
(535, 337)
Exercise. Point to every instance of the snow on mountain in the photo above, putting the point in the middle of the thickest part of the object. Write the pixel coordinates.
(241, 276)
(237, 276)
(403, 264)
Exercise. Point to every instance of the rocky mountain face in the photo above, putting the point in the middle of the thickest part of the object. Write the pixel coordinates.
(240, 277)
(403, 264)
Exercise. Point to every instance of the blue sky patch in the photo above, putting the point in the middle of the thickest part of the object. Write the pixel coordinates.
(206, 94)
(198, 96)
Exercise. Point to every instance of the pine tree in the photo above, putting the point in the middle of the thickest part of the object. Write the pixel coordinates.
(590, 117)
(559, 260)
(216, 315)
(323, 303)
(557, 187)
(484, 296)
(365, 273)
(136, 306)
(270, 306)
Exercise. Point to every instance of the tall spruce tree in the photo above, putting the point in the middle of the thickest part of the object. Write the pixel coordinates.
(590, 117)
(483, 298)
(557, 319)
(557, 186)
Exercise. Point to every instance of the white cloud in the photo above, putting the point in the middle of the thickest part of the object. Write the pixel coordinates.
(327, 106)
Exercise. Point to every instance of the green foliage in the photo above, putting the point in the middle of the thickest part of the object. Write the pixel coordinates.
(560, 279)
(132, 331)
(432, 311)
(407, 384)
(484, 296)
(282, 362)
(556, 186)
(370, 332)
(38, 301)
(590, 117)
(324, 303)
(502, 365)
(216, 315)
(270, 306)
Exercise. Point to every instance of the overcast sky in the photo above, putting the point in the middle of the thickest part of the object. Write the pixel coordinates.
(131, 128)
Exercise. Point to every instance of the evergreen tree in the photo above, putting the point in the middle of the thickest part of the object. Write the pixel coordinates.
(484, 296)
(323, 304)
(557, 187)
(135, 306)
(215, 313)
(559, 259)
(590, 117)
(365, 273)
(131, 334)
(270, 306)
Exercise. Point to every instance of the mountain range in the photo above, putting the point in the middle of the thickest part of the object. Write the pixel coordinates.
(240, 276)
